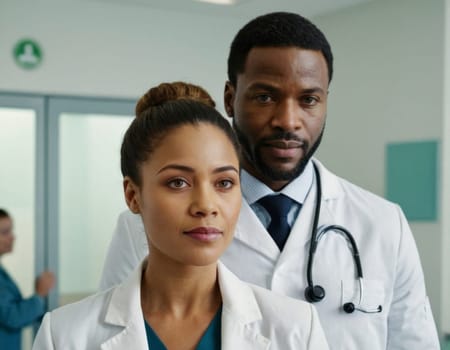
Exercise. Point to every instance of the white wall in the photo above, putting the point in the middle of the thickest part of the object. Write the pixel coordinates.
(387, 87)
(100, 49)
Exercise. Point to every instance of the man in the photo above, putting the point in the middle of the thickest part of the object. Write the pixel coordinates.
(279, 69)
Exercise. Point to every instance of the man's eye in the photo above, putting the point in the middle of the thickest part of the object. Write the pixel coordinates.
(177, 183)
(310, 100)
(263, 98)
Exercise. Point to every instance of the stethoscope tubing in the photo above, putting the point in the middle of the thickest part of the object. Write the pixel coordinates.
(317, 235)
(315, 293)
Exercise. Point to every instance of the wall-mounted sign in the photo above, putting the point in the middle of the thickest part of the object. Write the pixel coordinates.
(27, 54)
(412, 170)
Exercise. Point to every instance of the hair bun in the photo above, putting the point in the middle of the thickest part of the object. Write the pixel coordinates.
(166, 92)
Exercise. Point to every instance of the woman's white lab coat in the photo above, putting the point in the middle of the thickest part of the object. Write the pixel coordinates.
(393, 276)
(252, 318)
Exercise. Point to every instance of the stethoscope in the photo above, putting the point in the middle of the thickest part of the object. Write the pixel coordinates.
(315, 293)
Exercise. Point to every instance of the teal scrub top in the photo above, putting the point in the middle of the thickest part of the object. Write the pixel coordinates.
(210, 340)
(16, 312)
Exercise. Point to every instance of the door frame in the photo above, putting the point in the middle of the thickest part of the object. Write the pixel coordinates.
(38, 104)
(56, 106)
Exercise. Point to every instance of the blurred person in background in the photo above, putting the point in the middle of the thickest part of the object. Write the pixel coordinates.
(15, 311)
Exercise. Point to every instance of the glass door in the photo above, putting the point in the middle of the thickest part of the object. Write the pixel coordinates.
(22, 188)
(85, 189)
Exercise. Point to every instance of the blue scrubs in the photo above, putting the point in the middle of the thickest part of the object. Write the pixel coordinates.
(211, 339)
(15, 312)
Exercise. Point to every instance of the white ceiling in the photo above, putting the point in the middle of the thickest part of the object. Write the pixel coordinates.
(242, 8)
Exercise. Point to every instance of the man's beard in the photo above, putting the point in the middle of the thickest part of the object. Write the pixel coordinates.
(253, 156)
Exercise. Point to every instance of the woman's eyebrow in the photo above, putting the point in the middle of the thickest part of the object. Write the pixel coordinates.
(225, 168)
(191, 170)
(177, 167)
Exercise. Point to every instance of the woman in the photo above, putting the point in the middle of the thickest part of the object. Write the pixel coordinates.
(15, 311)
(179, 160)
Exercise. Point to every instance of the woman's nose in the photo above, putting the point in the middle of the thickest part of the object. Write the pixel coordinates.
(203, 203)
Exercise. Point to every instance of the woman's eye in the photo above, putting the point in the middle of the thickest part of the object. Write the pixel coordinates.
(177, 183)
(225, 184)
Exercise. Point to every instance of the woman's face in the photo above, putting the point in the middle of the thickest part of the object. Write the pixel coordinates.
(190, 195)
(6, 235)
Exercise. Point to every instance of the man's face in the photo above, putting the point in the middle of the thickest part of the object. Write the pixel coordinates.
(279, 108)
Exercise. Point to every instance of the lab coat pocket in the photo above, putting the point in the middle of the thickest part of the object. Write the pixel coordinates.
(367, 326)
(367, 296)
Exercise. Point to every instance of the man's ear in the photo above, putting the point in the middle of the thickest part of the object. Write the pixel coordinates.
(132, 197)
(228, 98)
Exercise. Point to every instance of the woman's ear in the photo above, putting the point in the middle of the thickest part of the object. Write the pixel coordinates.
(228, 99)
(131, 192)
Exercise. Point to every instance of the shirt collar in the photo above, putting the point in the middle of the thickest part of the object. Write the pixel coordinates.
(297, 189)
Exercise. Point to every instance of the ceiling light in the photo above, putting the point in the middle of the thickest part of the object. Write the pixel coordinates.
(219, 2)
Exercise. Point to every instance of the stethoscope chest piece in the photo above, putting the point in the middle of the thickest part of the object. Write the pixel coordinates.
(314, 294)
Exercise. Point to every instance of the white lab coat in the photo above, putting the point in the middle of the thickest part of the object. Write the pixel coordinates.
(252, 318)
(393, 276)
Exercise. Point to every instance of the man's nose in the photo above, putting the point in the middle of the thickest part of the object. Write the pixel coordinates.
(288, 115)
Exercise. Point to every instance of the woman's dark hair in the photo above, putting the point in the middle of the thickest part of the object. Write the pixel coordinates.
(162, 109)
(277, 29)
(4, 214)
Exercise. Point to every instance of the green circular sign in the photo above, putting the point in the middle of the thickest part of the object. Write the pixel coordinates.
(27, 54)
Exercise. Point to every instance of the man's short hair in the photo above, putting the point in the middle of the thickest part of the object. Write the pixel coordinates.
(277, 29)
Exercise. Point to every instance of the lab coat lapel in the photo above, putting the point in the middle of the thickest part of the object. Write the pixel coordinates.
(301, 230)
(332, 195)
(124, 310)
(250, 231)
(240, 313)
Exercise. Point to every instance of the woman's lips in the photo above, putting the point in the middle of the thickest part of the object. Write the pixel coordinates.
(204, 234)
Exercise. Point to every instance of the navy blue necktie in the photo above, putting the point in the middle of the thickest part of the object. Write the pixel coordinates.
(278, 207)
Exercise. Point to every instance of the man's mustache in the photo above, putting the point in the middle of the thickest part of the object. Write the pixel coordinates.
(283, 136)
